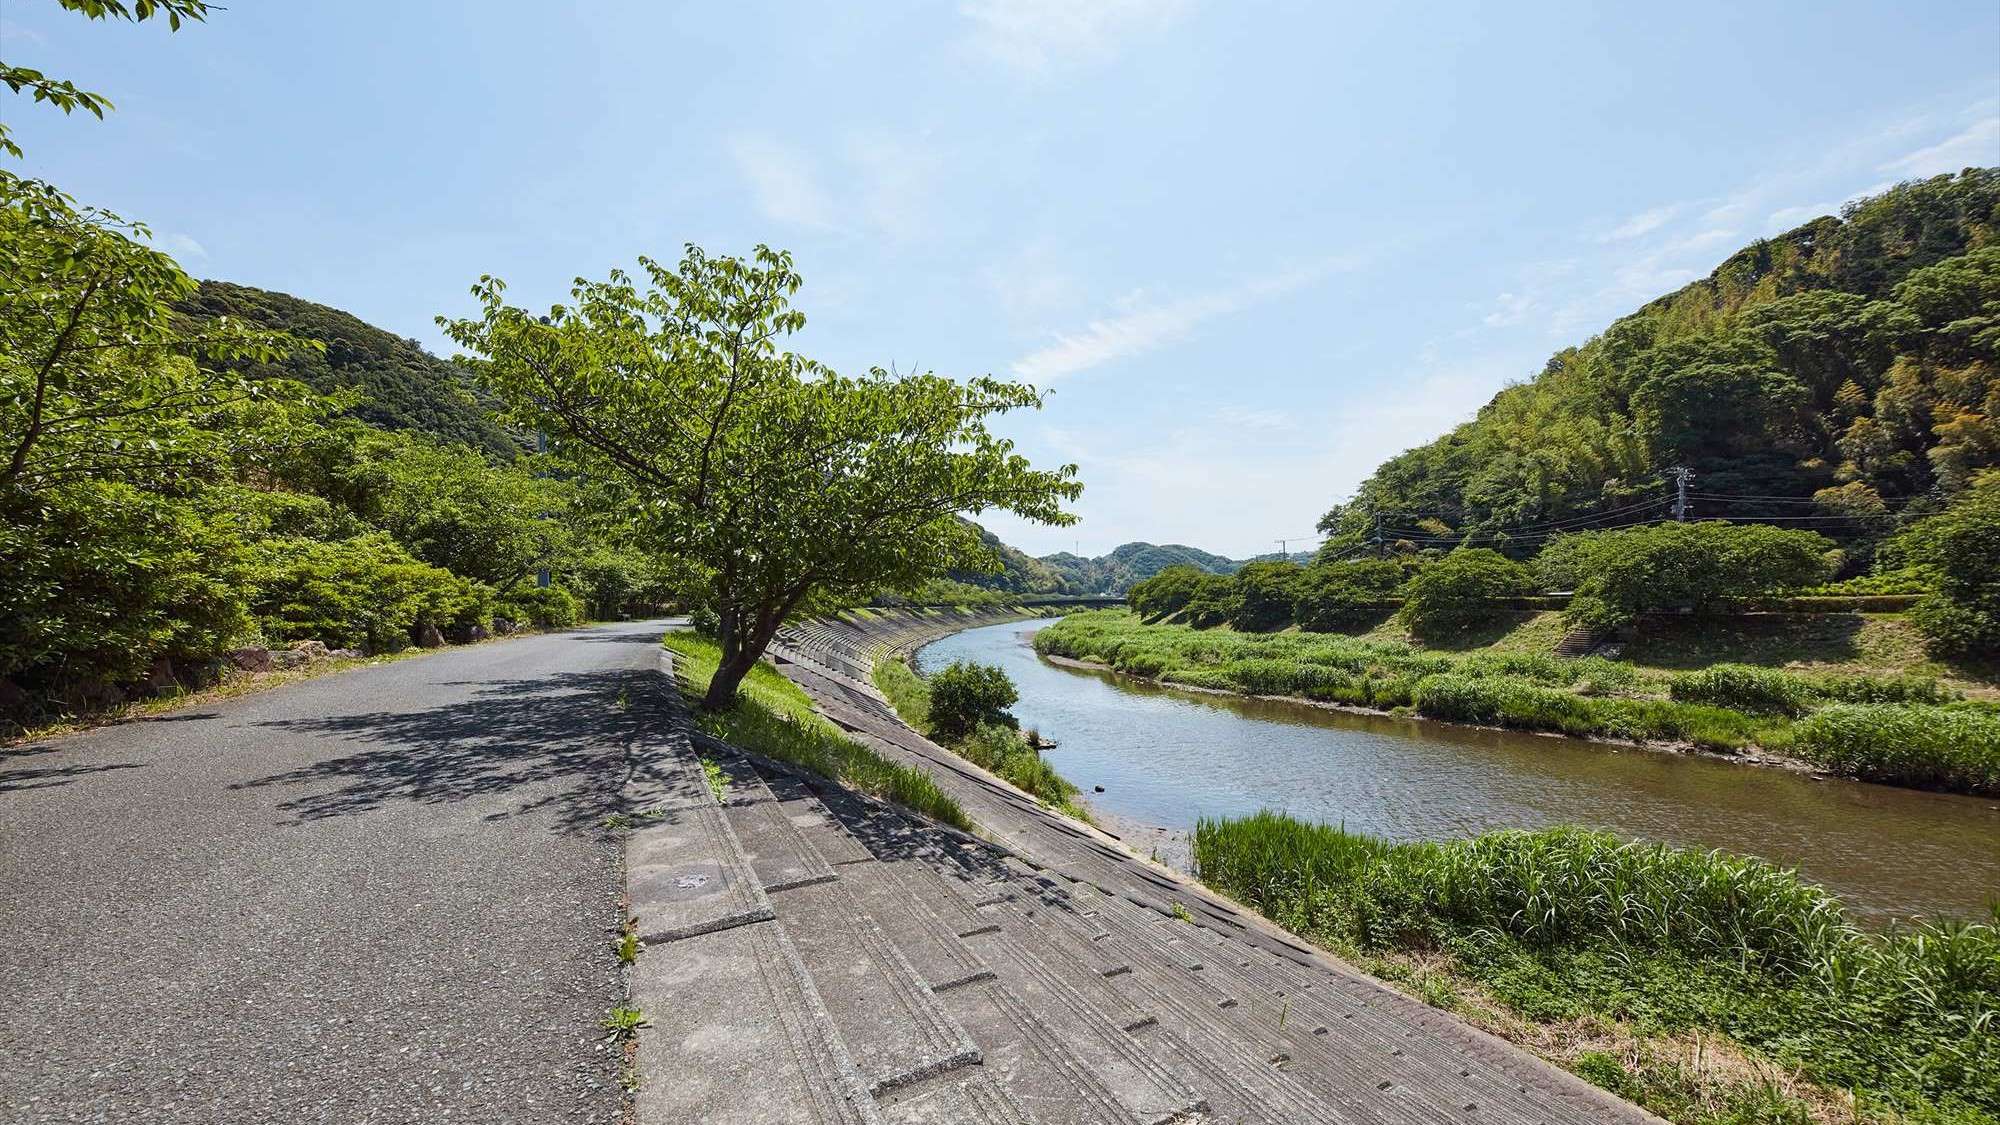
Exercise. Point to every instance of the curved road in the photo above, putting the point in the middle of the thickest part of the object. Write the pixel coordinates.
(383, 895)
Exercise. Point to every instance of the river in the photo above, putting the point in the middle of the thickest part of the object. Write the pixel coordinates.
(1166, 757)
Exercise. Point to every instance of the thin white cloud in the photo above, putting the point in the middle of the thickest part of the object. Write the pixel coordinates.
(896, 183)
(1977, 145)
(1033, 36)
(783, 180)
(184, 246)
(1641, 224)
(1509, 309)
(1146, 325)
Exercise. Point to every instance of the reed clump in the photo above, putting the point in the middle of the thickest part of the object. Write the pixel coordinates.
(1565, 923)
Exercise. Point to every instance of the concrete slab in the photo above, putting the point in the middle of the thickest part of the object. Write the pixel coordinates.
(739, 1036)
(896, 1029)
(685, 874)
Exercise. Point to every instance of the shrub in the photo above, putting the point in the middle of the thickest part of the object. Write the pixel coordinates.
(1958, 550)
(1954, 748)
(1344, 597)
(103, 578)
(544, 607)
(1619, 575)
(1763, 691)
(1459, 592)
(1265, 591)
(966, 696)
(364, 591)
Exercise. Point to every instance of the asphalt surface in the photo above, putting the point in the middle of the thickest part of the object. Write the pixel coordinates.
(382, 895)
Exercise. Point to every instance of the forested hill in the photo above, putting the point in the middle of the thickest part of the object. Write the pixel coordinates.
(1118, 571)
(1845, 369)
(402, 386)
(1019, 572)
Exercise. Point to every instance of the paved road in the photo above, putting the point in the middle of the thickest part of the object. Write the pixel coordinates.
(383, 895)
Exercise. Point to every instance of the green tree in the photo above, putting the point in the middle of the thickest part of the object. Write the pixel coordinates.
(1620, 575)
(1165, 593)
(966, 696)
(451, 507)
(1958, 550)
(782, 480)
(98, 380)
(1265, 592)
(1216, 599)
(1343, 596)
(1461, 592)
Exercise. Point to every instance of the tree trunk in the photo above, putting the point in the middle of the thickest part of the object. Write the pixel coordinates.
(722, 688)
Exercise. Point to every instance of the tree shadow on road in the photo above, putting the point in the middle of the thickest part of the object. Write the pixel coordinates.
(559, 741)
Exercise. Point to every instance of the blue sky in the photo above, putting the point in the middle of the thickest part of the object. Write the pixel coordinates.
(1252, 249)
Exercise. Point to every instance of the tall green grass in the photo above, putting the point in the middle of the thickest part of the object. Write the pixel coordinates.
(1568, 922)
(1727, 707)
(774, 717)
(1950, 748)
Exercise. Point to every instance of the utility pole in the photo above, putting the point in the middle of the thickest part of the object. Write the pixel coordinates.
(1380, 551)
(1681, 477)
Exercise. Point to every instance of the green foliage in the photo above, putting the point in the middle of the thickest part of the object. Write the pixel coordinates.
(98, 380)
(1958, 553)
(1745, 687)
(1620, 575)
(1565, 922)
(1217, 599)
(544, 607)
(103, 578)
(393, 383)
(366, 592)
(773, 717)
(781, 481)
(1346, 596)
(1852, 351)
(1165, 593)
(450, 507)
(1457, 593)
(1934, 747)
(966, 696)
(1265, 592)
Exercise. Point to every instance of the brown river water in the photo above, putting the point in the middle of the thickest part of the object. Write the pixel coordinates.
(1166, 757)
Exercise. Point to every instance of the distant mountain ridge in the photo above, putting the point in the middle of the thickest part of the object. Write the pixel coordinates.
(1130, 564)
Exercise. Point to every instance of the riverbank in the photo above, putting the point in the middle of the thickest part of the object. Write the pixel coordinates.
(1911, 731)
(1666, 1021)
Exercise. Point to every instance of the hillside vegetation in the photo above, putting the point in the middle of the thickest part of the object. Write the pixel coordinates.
(1844, 369)
(398, 385)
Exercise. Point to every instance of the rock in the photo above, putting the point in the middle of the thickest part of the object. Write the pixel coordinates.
(466, 634)
(288, 658)
(503, 626)
(251, 658)
(344, 654)
(160, 678)
(426, 635)
(1097, 789)
(314, 650)
(12, 697)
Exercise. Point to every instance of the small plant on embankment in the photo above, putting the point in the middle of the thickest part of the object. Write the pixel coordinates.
(1578, 935)
(774, 717)
(979, 728)
(1723, 708)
